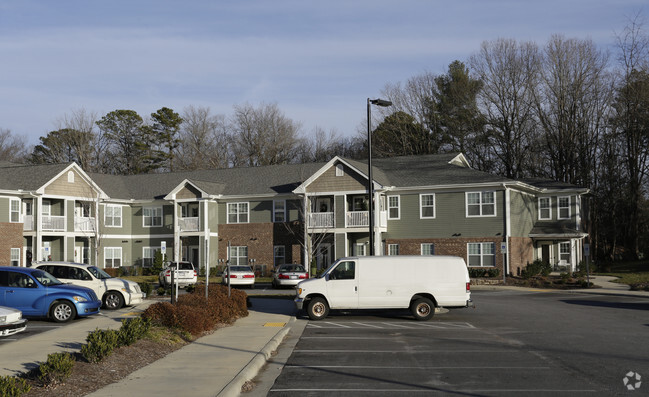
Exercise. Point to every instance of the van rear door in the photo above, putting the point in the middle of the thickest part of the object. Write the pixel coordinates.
(342, 285)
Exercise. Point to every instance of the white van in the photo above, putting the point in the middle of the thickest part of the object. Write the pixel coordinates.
(418, 283)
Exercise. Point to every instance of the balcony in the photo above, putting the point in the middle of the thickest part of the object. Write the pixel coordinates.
(28, 222)
(188, 224)
(357, 219)
(53, 223)
(320, 220)
(84, 224)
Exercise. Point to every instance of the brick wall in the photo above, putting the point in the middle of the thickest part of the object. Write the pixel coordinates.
(11, 236)
(522, 252)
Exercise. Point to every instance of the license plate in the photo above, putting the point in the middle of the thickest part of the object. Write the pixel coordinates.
(293, 277)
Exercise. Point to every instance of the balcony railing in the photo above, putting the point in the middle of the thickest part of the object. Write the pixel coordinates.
(321, 220)
(28, 222)
(84, 224)
(357, 219)
(188, 224)
(53, 223)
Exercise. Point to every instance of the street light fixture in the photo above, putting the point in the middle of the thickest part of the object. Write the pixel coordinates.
(370, 184)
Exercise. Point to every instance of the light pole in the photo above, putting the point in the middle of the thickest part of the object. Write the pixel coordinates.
(370, 184)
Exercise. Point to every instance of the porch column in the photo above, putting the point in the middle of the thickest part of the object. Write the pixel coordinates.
(38, 215)
(176, 233)
(376, 215)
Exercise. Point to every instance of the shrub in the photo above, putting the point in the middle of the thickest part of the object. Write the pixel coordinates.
(11, 386)
(132, 330)
(475, 272)
(146, 288)
(161, 291)
(190, 288)
(101, 344)
(56, 369)
(536, 268)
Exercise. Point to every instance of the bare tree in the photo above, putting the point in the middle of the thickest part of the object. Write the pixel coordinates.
(263, 136)
(13, 148)
(508, 71)
(203, 140)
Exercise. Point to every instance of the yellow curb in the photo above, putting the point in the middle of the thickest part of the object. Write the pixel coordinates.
(274, 324)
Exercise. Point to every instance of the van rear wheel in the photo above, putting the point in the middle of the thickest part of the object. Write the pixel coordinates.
(422, 309)
(317, 309)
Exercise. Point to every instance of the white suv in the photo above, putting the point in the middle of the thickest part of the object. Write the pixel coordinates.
(114, 292)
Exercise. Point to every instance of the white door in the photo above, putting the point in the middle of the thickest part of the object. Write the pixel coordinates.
(342, 286)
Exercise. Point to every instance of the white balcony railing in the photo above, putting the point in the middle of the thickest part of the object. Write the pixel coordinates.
(321, 220)
(357, 219)
(188, 224)
(53, 223)
(28, 222)
(84, 224)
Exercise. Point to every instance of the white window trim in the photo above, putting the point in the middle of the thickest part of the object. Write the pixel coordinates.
(152, 217)
(422, 248)
(113, 249)
(559, 207)
(340, 171)
(421, 207)
(549, 208)
(275, 256)
(283, 210)
(11, 211)
(389, 249)
(15, 256)
(398, 207)
(481, 215)
(482, 254)
(121, 215)
(237, 249)
(154, 249)
(238, 213)
(358, 247)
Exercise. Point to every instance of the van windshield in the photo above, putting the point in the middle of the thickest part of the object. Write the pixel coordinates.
(327, 270)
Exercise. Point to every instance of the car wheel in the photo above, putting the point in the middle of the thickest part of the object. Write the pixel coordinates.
(62, 311)
(113, 300)
(422, 309)
(317, 309)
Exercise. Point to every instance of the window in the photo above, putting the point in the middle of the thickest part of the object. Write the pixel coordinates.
(544, 208)
(14, 215)
(238, 255)
(564, 252)
(343, 271)
(47, 208)
(279, 254)
(393, 207)
(339, 170)
(148, 256)
(279, 211)
(70, 177)
(393, 249)
(481, 255)
(427, 249)
(481, 204)
(237, 212)
(426, 206)
(360, 249)
(113, 215)
(15, 257)
(564, 207)
(360, 203)
(113, 256)
(152, 216)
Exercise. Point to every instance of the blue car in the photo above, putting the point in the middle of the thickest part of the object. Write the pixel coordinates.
(38, 294)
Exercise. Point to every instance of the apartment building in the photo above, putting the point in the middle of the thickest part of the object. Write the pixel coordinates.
(297, 213)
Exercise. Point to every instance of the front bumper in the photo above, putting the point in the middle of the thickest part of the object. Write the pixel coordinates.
(87, 308)
(13, 328)
(299, 303)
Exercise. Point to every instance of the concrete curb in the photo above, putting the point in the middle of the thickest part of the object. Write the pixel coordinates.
(233, 388)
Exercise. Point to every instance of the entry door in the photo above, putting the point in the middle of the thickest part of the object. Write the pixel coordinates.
(545, 253)
(342, 286)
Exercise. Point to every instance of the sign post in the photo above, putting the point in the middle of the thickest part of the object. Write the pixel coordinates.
(503, 250)
(587, 255)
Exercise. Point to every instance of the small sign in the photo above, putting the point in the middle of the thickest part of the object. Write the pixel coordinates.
(163, 247)
(587, 249)
(503, 247)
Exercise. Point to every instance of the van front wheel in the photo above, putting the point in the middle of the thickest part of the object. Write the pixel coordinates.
(317, 309)
(422, 309)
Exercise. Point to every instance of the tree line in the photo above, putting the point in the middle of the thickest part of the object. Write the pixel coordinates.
(566, 111)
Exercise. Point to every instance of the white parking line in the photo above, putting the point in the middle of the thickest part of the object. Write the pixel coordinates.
(368, 325)
(336, 324)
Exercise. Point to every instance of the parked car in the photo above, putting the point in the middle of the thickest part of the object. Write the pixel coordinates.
(289, 274)
(185, 274)
(11, 321)
(238, 275)
(114, 292)
(39, 294)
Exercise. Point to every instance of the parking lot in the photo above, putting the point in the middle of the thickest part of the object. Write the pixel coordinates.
(513, 343)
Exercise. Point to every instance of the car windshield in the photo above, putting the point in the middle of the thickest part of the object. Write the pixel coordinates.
(292, 268)
(99, 273)
(45, 278)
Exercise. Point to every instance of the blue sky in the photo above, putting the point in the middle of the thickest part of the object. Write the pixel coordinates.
(319, 61)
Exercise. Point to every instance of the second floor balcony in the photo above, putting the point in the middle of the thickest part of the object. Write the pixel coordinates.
(321, 220)
(84, 224)
(53, 223)
(188, 224)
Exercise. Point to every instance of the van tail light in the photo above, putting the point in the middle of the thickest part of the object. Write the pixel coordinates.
(468, 287)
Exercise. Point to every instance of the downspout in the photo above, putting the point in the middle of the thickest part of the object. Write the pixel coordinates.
(508, 228)
(36, 221)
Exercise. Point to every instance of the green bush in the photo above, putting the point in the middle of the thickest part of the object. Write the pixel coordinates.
(11, 386)
(161, 291)
(475, 272)
(536, 268)
(146, 288)
(101, 344)
(132, 330)
(190, 288)
(56, 369)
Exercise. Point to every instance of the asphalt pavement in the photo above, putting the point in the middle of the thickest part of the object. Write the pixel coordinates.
(214, 365)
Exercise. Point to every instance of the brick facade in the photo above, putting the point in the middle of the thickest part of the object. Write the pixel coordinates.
(11, 236)
(521, 251)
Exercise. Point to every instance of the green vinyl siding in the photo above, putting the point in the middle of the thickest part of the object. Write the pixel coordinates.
(339, 211)
(450, 218)
(524, 211)
(4, 209)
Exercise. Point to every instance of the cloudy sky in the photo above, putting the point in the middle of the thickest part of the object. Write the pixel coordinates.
(319, 61)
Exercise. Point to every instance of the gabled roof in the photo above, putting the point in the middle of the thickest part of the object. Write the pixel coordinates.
(35, 178)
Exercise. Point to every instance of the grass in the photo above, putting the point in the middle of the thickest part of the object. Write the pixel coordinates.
(635, 274)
